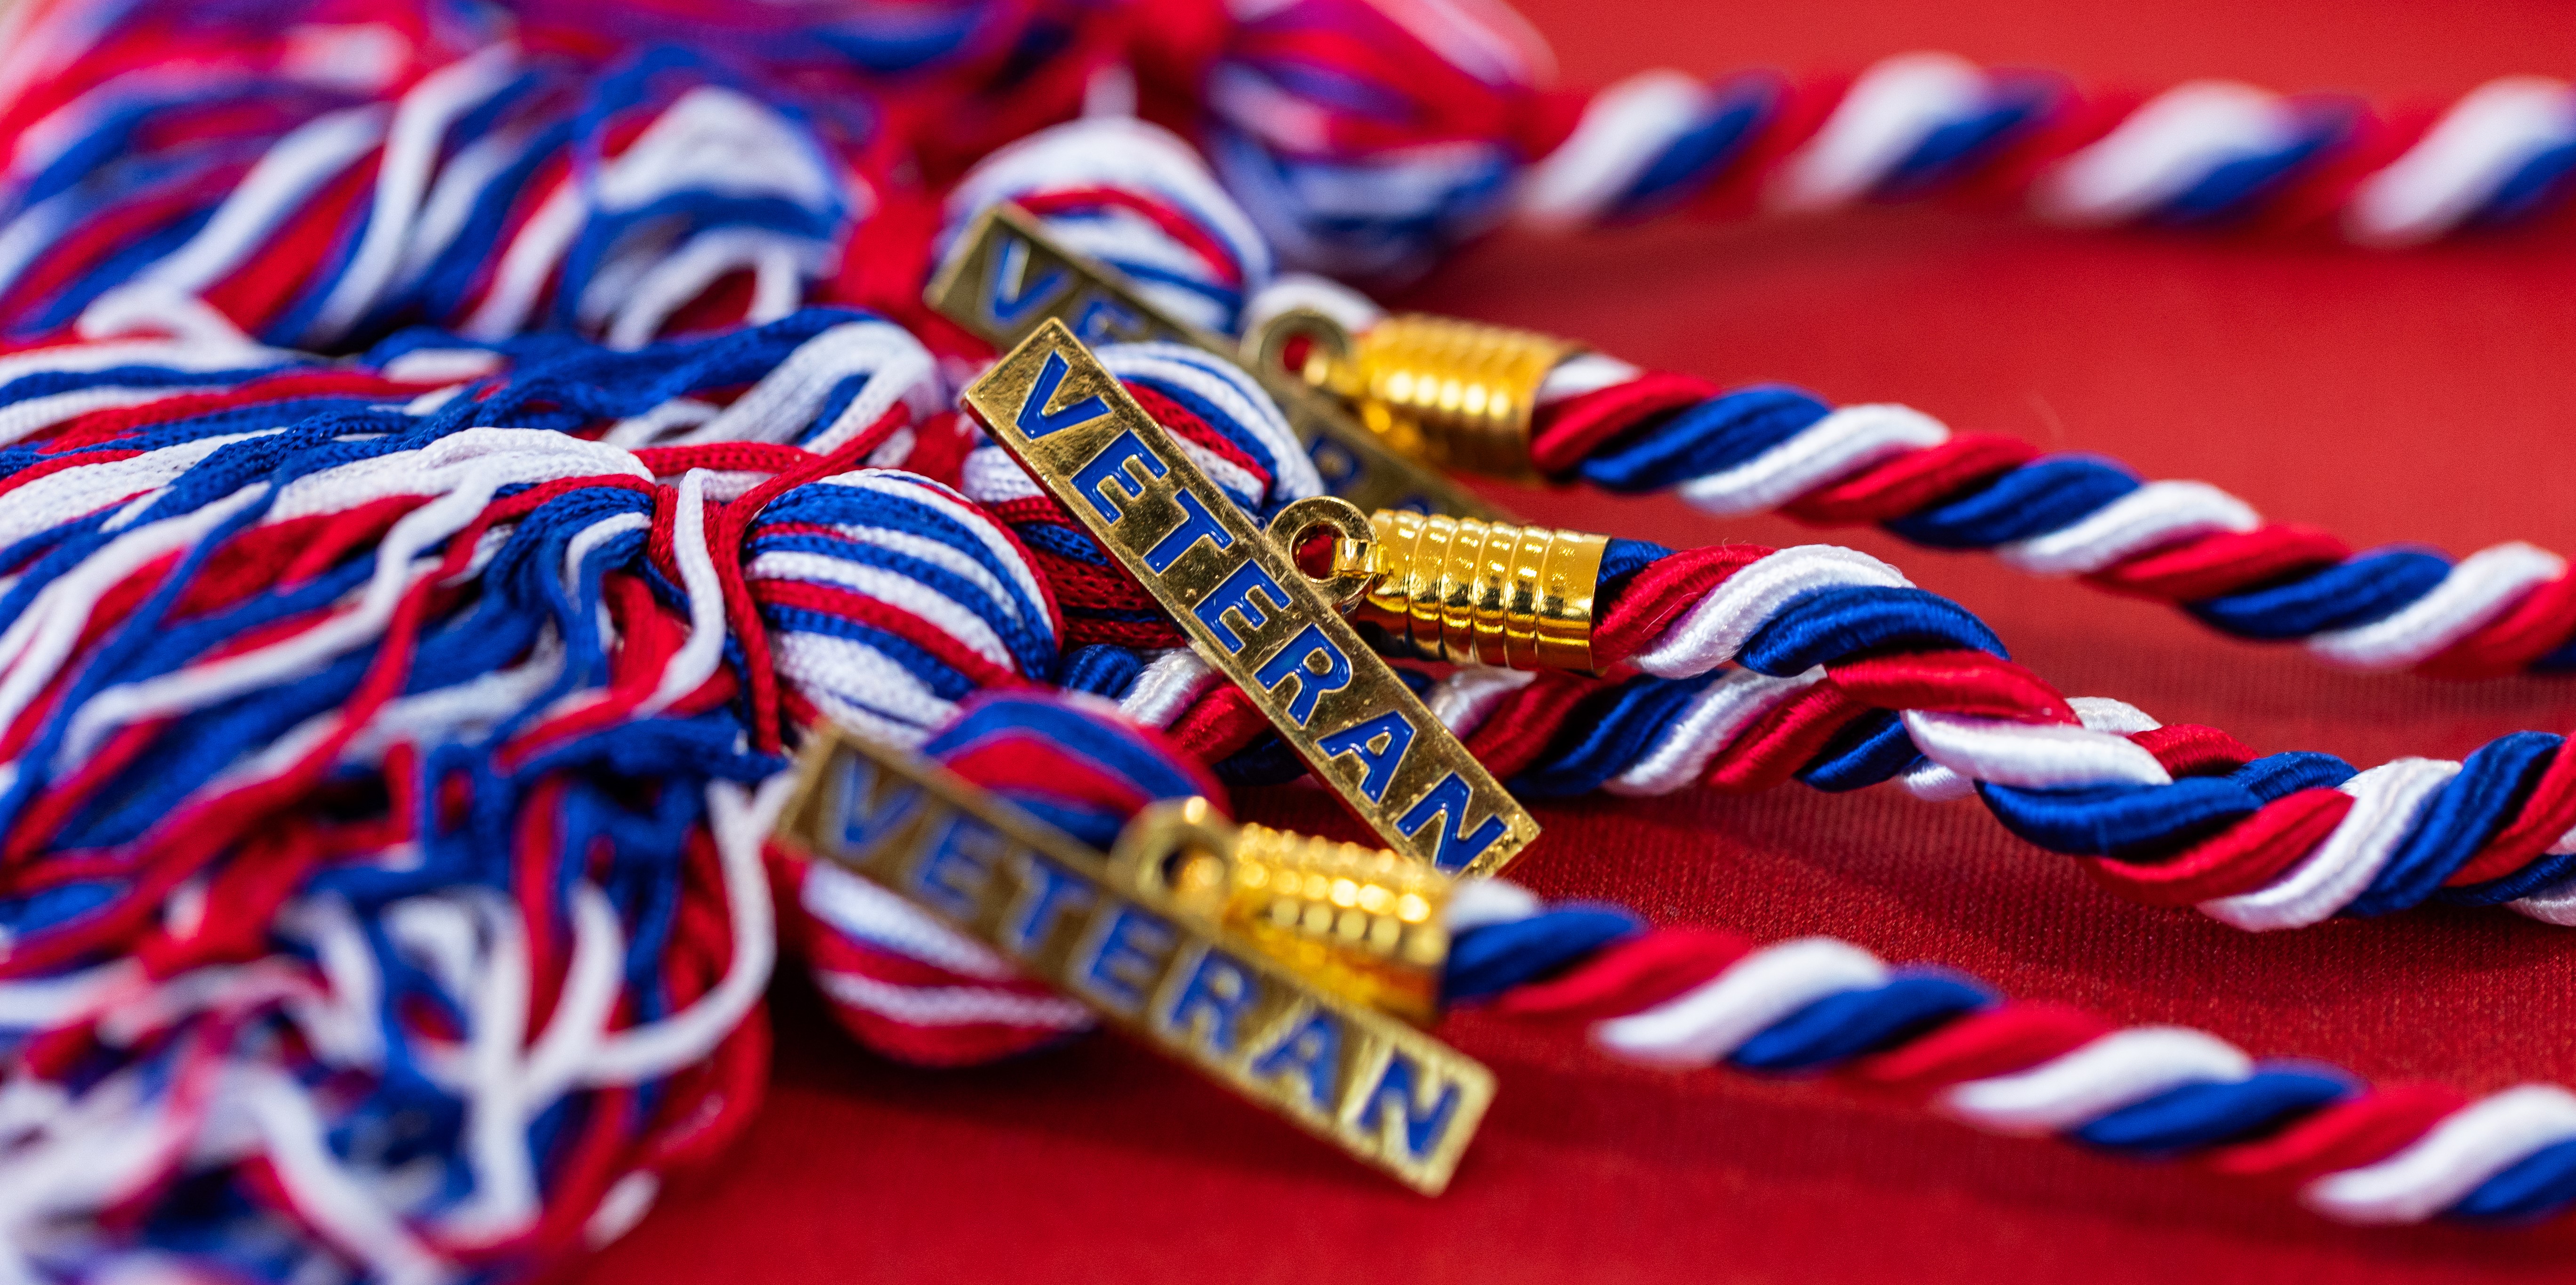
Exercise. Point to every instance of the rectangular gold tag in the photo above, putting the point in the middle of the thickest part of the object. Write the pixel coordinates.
(1388, 1094)
(1006, 276)
(1246, 607)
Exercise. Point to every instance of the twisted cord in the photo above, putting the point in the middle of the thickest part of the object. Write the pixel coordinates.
(1692, 997)
(1689, 998)
(2507, 609)
(1368, 139)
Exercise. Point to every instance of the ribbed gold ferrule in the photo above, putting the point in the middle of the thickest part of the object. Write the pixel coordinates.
(1458, 393)
(1486, 593)
(1365, 922)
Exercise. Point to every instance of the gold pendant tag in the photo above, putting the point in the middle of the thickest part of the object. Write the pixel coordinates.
(1246, 607)
(1388, 1094)
(1005, 277)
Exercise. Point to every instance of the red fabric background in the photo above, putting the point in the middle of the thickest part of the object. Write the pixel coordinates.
(2422, 396)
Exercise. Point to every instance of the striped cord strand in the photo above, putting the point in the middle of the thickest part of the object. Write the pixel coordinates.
(1300, 127)
(1687, 998)
(1690, 998)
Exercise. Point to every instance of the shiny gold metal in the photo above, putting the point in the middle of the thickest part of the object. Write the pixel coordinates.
(1006, 276)
(1482, 593)
(1457, 393)
(1361, 922)
(1149, 964)
(1245, 605)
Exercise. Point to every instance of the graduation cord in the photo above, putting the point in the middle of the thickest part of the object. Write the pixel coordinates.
(388, 762)
(326, 838)
(570, 166)
(1691, 998)
(1597, 421)
(1368, 139)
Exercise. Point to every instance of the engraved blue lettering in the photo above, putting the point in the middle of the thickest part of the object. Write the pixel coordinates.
(1312, 1049)
(1109, 468)
(1049, 890)
(1196, 524)
(1422, 1128)
(1294, 662)
(1379, 744)
(1448, 802)
(1104, 320)
(1218, 992)
(871, 809)
(953, 875)
(1122, 967)
(1008, 294)
(1037, 421)
(1240, 593)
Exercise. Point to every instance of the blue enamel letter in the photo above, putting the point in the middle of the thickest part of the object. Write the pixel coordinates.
(1447, 801)
(1196, 524)
(1110, 466)
(1361, 739)
(1219, 990)
(1037, 421)
(1009, 294)
(1422, 1129)
(1290, 662)
(1242, 593)
(1314, 1050)
(1122, 967)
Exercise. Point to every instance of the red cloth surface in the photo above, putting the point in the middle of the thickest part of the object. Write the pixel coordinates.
(2423, 396)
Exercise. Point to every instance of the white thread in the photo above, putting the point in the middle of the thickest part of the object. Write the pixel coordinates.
(1470, 694)
(2459, 164)
(2114, 1071)
(1716, 627)
(2385, 801)
(2031, 755)
(1713, 1019)
(1882, 118)
(2162, 149)
(1843, 442)
(2468, 1147)
(1623, 129)
(1166, 688)
(1680, 757)
(2483, 586)
(953, 1005)
(2156, 514)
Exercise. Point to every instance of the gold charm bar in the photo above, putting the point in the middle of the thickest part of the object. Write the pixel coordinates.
(1482, 593)
(1360, 922)
(1006, 276)
(1460, 394)
(1387, 1094)
(1246, 607)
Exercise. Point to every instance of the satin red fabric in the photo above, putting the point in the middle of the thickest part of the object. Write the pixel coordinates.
(2423, 396)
